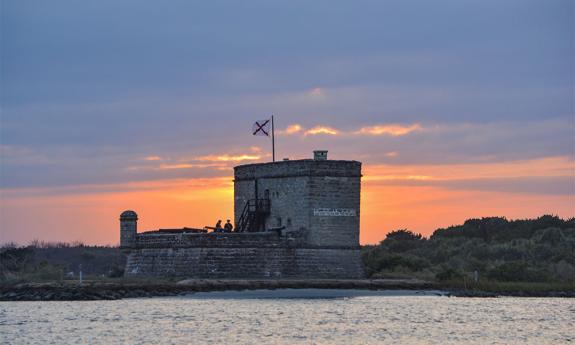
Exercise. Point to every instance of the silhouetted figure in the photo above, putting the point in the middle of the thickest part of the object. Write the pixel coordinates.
(219, 226)
(228, 226)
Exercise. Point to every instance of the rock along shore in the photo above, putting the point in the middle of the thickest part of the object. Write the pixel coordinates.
(118, 290)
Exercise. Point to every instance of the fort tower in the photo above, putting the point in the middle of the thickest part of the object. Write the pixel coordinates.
(128, 229)
(318, 197)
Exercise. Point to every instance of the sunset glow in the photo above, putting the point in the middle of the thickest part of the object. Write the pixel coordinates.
(420, 198)
(331, 172)
(464, 112)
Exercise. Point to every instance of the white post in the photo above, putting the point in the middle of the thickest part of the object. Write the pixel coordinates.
(81, 274)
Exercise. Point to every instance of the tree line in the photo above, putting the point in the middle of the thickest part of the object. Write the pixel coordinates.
(492, 248)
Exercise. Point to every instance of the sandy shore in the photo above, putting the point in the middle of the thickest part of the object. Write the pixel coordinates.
(312, 293)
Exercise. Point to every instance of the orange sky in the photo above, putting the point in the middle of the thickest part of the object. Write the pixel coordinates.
(420, 198)
(103, 112)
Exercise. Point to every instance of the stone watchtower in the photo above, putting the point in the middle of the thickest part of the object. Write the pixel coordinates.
(128, 229)
(317, 197)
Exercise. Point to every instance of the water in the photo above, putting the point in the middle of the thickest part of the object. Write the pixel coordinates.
(292, 317)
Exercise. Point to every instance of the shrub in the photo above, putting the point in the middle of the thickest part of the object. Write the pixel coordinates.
(447, 274)
(518, 272)
(380, 260)
(402, 240)
(116, 272)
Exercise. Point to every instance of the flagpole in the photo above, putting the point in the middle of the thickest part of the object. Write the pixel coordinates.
(273, 141)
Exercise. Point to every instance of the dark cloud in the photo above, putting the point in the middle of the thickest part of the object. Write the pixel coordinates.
(89, 89)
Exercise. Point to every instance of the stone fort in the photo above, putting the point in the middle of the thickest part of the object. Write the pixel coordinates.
(293, 219)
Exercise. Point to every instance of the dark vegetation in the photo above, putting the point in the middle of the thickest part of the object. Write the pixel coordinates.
(534, 254)
(505, 252)
(41, 261)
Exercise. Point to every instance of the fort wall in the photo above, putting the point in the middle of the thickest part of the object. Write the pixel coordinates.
(183, 240)
(310, 228)
(245, 262)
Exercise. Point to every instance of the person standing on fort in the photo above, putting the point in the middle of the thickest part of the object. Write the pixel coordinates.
(218, 227)
(228, 227)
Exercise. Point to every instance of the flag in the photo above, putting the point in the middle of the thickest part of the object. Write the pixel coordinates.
(262, 127)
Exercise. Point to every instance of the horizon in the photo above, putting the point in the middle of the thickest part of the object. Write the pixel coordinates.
(113, 106)
(39, 243)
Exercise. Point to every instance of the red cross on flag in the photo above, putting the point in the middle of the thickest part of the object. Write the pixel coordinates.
(262, 127)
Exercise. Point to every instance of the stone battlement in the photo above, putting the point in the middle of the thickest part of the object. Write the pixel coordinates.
(298, 168)
(215, 240)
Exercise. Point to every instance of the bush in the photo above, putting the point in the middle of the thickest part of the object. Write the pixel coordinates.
(399, 241)
(447, 274)
(530, 250)
(116, 272)
(15, 259)
(380, 260)
(518, 272)
(551, 236)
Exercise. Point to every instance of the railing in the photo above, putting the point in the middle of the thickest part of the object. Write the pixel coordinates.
(261, 206)
(253, 215)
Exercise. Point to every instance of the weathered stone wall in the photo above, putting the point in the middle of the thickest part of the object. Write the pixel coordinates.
(288, 197)
(319, 197)
(334, 211)
(183, 240)
(212, 262)
(301, 167)
(128, 231)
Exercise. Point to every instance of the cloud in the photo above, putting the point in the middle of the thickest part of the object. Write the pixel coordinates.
(391, 129)
(394, 130)
(437, 143)
(176, 166)
(317, 91)
(229, 158)
(322, 130)
(541, 185)
(395, 178)
(551, 176)
(291, 129)
(216, 162)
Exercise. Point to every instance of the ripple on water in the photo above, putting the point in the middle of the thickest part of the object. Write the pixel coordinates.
(349, 320)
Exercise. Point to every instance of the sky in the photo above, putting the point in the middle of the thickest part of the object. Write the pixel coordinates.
(457, 109)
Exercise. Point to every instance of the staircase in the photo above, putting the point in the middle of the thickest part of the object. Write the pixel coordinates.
(254, 215)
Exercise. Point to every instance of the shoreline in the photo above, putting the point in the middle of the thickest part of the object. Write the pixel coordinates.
(100, 290)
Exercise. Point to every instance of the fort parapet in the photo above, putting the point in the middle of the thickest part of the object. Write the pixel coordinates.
(294, 219)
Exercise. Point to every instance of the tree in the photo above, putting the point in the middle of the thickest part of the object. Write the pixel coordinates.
(402, 240)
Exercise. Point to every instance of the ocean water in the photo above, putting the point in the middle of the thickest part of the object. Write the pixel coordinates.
(292, 317)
